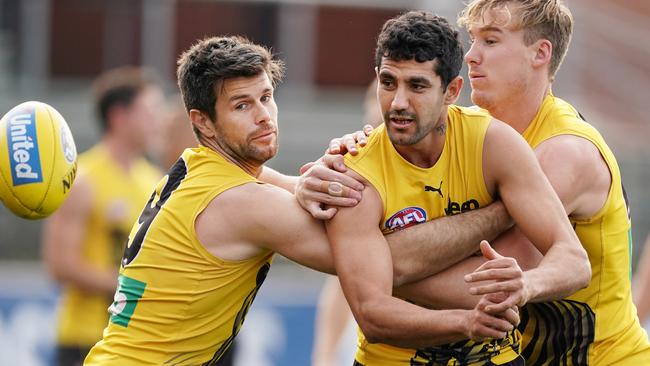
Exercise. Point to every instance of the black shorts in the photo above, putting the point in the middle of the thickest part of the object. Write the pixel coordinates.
(71, 355)
(519, 361)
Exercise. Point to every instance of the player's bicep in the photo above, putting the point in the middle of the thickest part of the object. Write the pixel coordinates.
(523, 187)
(361, 253)
(283, 226)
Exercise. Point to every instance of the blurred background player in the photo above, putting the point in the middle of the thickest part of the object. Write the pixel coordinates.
(175, 134)
(84, 240)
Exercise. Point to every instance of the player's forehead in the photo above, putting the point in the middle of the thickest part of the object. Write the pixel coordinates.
(408, 70)
(233, 88)
(500, 19)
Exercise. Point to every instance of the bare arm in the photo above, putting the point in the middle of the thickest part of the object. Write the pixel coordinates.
(63, 236)
(272, 220)
(272, 176)
(433, 246)
(440, 243)
(581, 179)
(577, 172)
(332, 318)
(448, 289)
(363, 261)
(529, 197)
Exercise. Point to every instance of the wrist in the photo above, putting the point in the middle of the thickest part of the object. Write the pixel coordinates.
(528, 288)
(460, 322)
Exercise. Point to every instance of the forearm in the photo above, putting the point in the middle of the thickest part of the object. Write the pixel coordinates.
(396, 322)
(87, 278)
(272, 176)
(642, 301)
(426, 249)
(563, 271)
(445, 290)
(448, 289)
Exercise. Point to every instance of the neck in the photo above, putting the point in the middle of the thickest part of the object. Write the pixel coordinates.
(519, 112)
(427, 151)
(121, 152)
(250, 167)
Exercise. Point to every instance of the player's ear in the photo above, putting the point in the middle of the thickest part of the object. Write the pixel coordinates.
(202, 123)
(543, 49)
(453, 90)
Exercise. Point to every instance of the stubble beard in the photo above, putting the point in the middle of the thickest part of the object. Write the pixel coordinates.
(248, 152)
(408, 140)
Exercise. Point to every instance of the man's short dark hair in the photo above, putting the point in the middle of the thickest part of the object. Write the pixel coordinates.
(212, 60)
(422, 36)
(119, 87)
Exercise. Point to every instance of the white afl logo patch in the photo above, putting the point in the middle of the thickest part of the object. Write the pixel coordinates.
(406, 217)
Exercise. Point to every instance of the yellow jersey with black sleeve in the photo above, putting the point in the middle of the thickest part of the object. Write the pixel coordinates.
(177, 303)
(117, 198)
(597, 325)
(412, 195)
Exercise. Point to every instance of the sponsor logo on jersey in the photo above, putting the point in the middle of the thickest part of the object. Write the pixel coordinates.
(129, 292)
(454, 208)
(23, 148)
(406, 217)
(434, 189)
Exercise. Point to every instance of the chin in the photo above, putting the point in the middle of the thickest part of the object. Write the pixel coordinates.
(266, 155)
(481, 99)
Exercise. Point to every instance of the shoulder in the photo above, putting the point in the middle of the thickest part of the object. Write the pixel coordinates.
(92, 159)
(501, 134)
(570, 152)
(80, 199)
(475, 114)
(148, 170)
(376, 139)
(505, 152)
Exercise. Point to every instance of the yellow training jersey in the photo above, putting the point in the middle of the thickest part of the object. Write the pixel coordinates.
(117, 198)
(177, 304)
(597, 325)
(413, 195)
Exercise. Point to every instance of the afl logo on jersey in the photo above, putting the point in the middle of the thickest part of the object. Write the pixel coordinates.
(406, 217)
(23, 151)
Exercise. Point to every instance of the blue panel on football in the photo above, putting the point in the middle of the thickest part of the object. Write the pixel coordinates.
(22, 144)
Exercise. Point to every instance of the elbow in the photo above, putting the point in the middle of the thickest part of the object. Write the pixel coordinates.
(583, 275)
(58, 273)
(586, 278)
(372, 324)
(60, 268)
(373, 333)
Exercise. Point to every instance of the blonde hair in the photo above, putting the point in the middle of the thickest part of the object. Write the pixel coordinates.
(540, 19)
